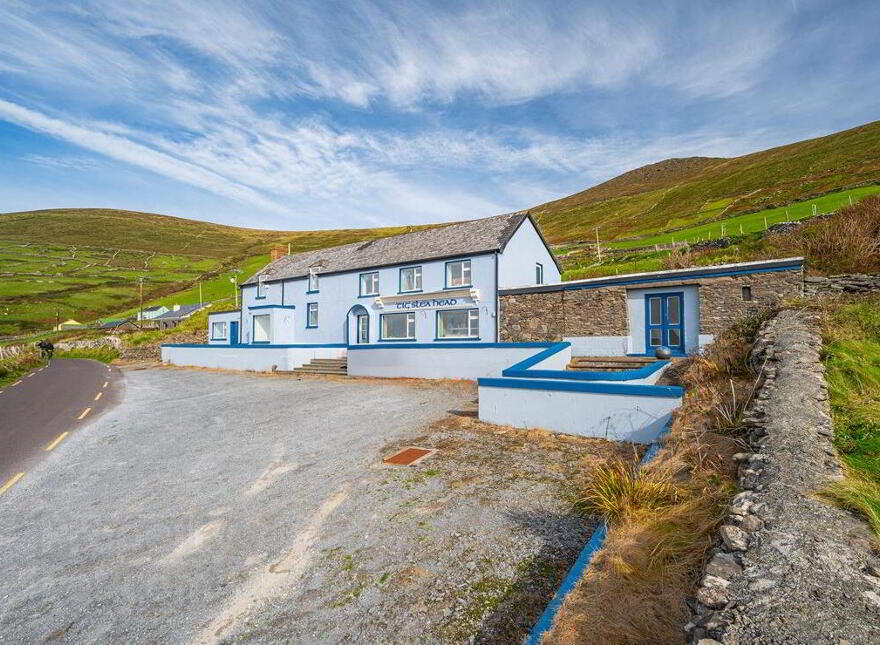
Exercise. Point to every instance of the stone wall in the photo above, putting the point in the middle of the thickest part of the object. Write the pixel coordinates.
(722, 303)
(551, 315)
(835, 284)
(788, 567)
(530, 317)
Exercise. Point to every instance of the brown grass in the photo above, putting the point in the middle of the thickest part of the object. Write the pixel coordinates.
(662, 522)
(848, 242)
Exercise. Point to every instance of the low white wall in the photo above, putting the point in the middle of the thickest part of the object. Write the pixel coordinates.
(598, 345)
(256, 359)
(617, 417)
(557, 361)
(435, 361)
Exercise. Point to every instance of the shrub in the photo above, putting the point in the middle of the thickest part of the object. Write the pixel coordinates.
(104, 353)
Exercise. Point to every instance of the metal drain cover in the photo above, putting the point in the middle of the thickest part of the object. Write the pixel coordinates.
(409, 456)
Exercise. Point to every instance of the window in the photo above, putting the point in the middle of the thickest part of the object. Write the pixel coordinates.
(458, 274)
(458, 323)
(399, 326)
(262, 329)
(218, 331)
(747, 293)
(312, 314)
(410, 279)
(370, 284)
(539, 273)
(313, 280)
(261, 286)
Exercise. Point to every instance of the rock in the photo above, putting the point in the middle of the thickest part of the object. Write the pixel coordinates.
(873, 570)
(708, 641)
(751, 523)
(741, 457)
(735, 539)
(713, 592)
(723, 565)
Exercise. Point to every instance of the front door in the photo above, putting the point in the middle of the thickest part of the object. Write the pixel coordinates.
(664, 318)
(233, 332)
(363, 329)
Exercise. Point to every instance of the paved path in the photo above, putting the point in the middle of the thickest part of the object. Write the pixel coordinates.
(37, 411)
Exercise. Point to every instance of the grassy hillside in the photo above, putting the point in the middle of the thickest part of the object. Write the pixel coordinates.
(86, 263)
(680, 193)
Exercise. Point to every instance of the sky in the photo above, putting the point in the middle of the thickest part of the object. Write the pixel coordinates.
(311, 115)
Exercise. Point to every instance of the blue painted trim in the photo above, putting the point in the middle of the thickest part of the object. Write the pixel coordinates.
(446, 275)
(259, 297)
(462, 345)
(368, 295)
(626, 389)
(596, 541)
(261, 342)
(259, 346)
(655, 278)
(553, 348)
(664, 326)
(316, 291)
(397, 340)
(539, 266)
(308, 304)
(400, 278)
(272, 307)
(456, 339)
(625, 375)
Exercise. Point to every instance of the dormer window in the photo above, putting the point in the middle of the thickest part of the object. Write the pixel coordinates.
(313, 279)
(261, 286)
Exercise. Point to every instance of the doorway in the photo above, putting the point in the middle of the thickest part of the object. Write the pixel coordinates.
(233, 332)
(664, 322)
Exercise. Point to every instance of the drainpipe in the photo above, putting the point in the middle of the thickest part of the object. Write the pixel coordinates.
(497, 300)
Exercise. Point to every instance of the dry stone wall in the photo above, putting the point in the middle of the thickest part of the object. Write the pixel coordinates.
(722, 301)
(789, 568)
(837, 284)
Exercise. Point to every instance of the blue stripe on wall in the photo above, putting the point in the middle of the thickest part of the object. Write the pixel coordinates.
(630, 389)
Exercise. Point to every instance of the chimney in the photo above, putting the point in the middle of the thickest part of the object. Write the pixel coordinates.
(276, 253)
(176, 308)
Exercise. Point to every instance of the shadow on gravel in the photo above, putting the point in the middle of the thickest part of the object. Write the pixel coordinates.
(537, 578)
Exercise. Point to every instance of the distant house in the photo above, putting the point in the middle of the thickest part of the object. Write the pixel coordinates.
(152, 312)
(177, 313)
(114, 324)
(69, 324)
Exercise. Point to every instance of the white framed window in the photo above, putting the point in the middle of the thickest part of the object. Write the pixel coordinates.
(261, 286)
(313, 280)
(539, 273)
(398, 326)
(262, 328)
(458, 323)
(458, 273)
(369, 284)
(410, 279)
(312, 314)
(218, 330)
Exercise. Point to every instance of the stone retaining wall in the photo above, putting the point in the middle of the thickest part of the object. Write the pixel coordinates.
(788, 567)
(846, 283)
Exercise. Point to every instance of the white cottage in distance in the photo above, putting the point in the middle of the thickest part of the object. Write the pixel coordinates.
(431, 286)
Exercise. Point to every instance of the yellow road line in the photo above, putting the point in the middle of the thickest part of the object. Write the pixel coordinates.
(11, 482)
(106, 383)
(58, 440)
(98, 395)
(84, 413)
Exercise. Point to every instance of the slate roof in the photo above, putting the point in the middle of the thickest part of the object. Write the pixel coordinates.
(462, 238)
(156, 308)
(183, 312)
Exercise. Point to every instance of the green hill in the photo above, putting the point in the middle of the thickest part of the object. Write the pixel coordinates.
(87, 263)
(679, 193)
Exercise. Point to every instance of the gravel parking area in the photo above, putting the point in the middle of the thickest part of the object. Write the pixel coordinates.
(214, 507)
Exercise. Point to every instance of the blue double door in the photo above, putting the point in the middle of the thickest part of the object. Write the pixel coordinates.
(664, 322)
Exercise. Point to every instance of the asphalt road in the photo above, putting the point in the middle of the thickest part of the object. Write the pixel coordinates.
(46, 406)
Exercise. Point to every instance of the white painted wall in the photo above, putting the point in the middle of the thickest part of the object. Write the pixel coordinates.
(516, 265)
(435, 362)
(227, 317)
(635, 299)
(338, 293)
(257, 359)
(557, 361)
(639, 419)
(598, 345)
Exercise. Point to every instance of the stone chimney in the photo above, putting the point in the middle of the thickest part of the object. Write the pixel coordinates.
(276, 254)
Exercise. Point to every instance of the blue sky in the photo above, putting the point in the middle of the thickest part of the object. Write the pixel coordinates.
(305, 115)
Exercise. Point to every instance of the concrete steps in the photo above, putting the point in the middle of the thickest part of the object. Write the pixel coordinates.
(337, 366)
(609, 363)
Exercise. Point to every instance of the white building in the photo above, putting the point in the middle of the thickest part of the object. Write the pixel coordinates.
(431, 286)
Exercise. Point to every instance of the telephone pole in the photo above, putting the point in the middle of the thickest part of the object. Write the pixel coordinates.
(598, 248)
(141, 307)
